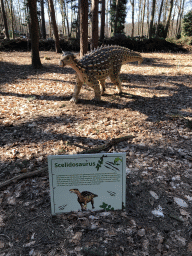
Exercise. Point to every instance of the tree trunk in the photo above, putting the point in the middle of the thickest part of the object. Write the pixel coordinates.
(159, 17)
(78, 23)
(66, 16)
(94, 43)
(168, 18)
(36, 63)
(148, 16)
(20, 18)
(165, 8)
(116, 17)
(171, 28)
(50, 25)
(139, 15)
(43, 29)
(55, 30)
(160, 11)
(179, 18)
(152, 18)
(63, 17)
(107, 19)
(83, 27)
(12, 19)
(4, 20)
(143, 17)
(102, 33)
(133, 11)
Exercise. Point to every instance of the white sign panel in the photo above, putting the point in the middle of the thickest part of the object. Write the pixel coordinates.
(87, 182)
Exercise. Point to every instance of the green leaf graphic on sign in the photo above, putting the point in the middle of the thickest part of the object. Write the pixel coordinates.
(117, 159)
(100, 162)
(106, 207)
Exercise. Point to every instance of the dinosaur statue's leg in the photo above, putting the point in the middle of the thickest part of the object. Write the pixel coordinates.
(85, 206)
(92, 202)
(115, 78)
(76, 90)
(102, 86)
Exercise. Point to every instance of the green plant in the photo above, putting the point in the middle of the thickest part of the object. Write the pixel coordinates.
(118, 15)
(187, 24)
(186, 40)
(160, 30)
(61, 150)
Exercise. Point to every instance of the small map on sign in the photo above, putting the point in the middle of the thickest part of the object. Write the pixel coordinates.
(87, 182)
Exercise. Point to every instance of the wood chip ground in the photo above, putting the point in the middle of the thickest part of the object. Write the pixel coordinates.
(37, 119)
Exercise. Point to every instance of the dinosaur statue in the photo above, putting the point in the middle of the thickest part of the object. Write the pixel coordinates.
(84, 198)
(94, 67)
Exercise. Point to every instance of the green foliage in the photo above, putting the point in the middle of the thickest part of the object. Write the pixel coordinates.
(106, 207)
(160, 30)
(184, 40)
(118, 15)
(187, 24)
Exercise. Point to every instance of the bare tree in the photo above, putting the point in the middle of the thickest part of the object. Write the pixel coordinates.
(108, 24)
(159, 17)
(148, 15)
(36, 63)
(12, 18)
(168, 18)
(179, 17)
(116, 15)
(143, 17)
(4, 20)
(152, 18)
(43, 29)
(133, 11)
(139, 19)
(102, 32)
(64, 16)
(165, 10)
(94, 11)
(83, 27)
(55, 30)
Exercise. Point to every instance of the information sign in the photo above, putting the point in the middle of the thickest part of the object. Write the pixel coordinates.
(87, 182)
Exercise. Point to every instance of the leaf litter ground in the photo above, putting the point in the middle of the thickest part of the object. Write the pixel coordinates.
(37, 119)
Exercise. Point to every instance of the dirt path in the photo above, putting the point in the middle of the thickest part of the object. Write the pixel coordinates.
(37, 120)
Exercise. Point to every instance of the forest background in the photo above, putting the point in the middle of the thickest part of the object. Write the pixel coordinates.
(133, 18)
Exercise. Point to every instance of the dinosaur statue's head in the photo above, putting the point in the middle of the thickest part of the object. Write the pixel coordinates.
(67, 59)
(74, 190)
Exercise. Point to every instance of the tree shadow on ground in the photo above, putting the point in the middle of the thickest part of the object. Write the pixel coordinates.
(31, 213)
(11, 72)
(155, 108)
